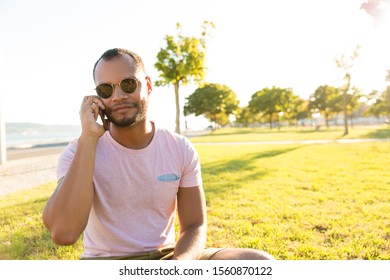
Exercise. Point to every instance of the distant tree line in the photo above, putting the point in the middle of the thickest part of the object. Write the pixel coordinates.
(183, 60)
(272, 105)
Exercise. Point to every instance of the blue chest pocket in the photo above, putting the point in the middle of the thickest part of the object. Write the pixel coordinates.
(168, 178)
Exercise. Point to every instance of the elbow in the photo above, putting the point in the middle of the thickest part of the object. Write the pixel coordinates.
(63, 238)
(61, 235)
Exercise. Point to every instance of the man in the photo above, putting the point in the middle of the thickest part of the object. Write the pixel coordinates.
(121, 187)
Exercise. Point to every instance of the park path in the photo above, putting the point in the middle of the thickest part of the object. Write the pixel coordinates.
(27, 173)
(32, 167)
(28, 169)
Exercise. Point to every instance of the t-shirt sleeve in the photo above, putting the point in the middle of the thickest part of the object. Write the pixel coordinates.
(191, 174)
(66, 159)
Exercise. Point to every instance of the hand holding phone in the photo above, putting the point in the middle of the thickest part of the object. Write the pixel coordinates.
(105, 121)
(91, 108)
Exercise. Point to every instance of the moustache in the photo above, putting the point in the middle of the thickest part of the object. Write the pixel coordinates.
(123, 105)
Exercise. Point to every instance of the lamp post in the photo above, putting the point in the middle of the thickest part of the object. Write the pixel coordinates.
(315, 116)
(280, 115)
(3, 151)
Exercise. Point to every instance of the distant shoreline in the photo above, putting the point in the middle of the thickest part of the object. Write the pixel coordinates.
(15, 153)
(36, 146)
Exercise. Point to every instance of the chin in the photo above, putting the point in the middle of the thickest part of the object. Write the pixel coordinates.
(124, 122)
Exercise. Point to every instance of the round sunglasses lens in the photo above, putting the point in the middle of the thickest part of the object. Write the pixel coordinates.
(129, 85)
(104, 90)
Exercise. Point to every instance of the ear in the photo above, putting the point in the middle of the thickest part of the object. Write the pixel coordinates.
(149, 85)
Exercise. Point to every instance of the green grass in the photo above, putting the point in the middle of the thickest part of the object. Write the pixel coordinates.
(300, 202)
(22, 233)
(302, 133)
(322, 201)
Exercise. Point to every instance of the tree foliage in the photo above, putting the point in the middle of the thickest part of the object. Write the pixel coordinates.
(216, 102)
(271, 101)
(327, 100)
(181, 60)
(381, 105)
(298, 110)
(245, 117)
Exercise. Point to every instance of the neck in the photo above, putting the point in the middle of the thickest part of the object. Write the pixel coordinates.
(137, 136)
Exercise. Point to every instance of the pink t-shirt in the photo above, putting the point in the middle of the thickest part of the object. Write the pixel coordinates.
(134, 205)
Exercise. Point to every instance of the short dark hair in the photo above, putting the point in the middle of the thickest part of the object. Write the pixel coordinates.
(109, 54)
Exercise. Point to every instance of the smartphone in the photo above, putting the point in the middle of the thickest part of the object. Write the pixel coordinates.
(105, 122)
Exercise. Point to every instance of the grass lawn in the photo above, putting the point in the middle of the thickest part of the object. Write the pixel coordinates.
(327, 201)
(302, 133)
(22, 233)
(322, 201)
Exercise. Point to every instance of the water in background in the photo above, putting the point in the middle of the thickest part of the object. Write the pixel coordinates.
(28, 135)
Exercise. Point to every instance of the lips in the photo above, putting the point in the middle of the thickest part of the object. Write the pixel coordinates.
(123, 107)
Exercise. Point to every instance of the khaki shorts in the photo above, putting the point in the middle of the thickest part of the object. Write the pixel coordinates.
(159, 254)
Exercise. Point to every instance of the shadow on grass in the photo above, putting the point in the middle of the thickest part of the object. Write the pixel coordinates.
(235, 171)
(218, 133)
(268, 131)
(242, 132)
(320, 131)
(381, 133)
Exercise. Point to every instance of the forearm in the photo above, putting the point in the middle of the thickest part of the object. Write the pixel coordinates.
(191, 243)
(66, 213)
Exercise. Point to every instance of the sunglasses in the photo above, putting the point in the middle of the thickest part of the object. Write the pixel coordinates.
(128, 85)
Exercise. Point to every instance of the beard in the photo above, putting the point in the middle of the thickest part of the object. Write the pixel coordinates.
(139, 116)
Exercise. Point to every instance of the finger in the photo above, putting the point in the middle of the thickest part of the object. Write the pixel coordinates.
(93, 104)
(95, 110)
(89, 105)
(98, 101)
(87, 101)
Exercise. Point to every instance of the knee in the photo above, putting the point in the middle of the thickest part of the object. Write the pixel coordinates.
(252, 254)
(242, 254)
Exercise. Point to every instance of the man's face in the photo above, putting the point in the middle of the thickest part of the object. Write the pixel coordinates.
(123, 109)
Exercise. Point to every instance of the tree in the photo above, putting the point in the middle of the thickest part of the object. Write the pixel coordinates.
(353, 96)
(182, 60)
(345, 64)
(373, 99)
(297, 110)
(244, 116)
(381, 103)
(327, 100)
(216, 102)
(386, 102)
(271, 101)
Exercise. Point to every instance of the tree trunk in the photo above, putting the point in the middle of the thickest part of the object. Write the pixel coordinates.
(177, 129)
(213, 122)
(345, 113)
(345, 103)
(351, 120)
(327, 120)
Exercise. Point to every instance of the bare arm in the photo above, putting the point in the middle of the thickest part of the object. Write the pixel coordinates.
(193, 223)
(66, 212)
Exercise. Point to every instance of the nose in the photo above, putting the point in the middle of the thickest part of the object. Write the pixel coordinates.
(118, 94)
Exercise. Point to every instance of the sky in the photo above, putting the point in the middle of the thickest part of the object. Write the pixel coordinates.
(48, 49)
